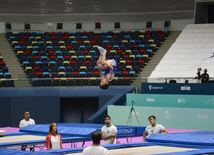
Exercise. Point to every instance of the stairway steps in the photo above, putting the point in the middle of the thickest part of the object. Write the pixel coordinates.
(12, 63)
(142, 77)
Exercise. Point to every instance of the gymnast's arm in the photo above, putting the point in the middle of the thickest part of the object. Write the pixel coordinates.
(105, 137)
(165, 131)
(101, 73)
(144, 136)
(111, 70)
(113, 138)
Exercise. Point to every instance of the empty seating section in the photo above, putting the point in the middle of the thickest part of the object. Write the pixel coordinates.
(5, 75)
(69, 58)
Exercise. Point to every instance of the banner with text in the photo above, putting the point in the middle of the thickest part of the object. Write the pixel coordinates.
(178, 88)
(173, 101)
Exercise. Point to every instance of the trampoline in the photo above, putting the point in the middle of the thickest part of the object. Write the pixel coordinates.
(186, 143)
(144, 150)
(35, 135)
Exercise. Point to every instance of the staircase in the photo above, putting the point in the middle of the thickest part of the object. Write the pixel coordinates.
(17, 73)
(142, 77)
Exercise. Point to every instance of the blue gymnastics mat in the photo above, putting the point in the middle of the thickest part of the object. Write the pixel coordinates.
(81, 129)
(205, 133)
(203, 140)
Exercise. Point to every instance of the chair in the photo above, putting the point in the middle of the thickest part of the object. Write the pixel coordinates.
(68, 74)
(59, 26)
(45, 74)
(10, 82)
(114, 81)
(116, 25)
(35, 82)
(63, 81)
(83, 68)
(48, 82)
(149, 25)
(78, 26)
(118, 74)
(125, 73)
(131, 73)
(93, 81)
(167, 24)
(56, 82)
(97, 25)
(27, 26)
(82, 74)
(8, 27)
(4, 69)
(70, 81)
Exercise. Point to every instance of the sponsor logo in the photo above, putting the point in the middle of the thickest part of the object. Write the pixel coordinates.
(167, 114)
(210, 101)
(150, 100)
(186, 88)
(150, 87)
(202, 116)
(181, 100)
(125, 131)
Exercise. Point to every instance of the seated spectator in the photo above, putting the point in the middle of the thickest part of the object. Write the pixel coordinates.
(154, 128)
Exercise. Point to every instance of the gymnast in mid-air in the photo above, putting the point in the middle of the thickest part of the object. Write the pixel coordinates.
(108, 65)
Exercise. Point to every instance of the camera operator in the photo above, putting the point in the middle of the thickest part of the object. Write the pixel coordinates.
(205, 77)
(198, 74)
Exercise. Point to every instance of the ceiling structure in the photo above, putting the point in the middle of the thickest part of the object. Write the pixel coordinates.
(94, 10)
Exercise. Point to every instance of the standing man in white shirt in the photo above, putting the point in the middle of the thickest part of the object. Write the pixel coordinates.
(25, 122)
(95, 148)
(109, 131)
(154, 128)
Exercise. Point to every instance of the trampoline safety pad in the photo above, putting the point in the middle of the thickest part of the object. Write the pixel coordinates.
(20, 138)
(145, 150)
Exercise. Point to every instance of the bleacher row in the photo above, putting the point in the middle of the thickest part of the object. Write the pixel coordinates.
(5, 76)
(63, 55)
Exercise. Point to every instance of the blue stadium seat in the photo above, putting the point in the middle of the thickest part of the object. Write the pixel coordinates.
(68, 68)
(61, 68)
(45, 74)
(34, 53)
(82, 74)
(71, 33)
(44, 58)
(132, 73)
(68, 74)
(138, 57)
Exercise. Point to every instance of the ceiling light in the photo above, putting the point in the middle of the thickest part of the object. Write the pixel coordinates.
(70, 3)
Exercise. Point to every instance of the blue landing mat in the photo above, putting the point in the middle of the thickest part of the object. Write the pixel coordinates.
(79, 129)
(205, 133)
(182, 139)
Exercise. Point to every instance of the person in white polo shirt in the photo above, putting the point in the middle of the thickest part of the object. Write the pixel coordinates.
(95, 148)
(25, 122)
(154, 128)
(109, 131)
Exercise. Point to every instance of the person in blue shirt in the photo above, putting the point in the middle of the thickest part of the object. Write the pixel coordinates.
(109, 66)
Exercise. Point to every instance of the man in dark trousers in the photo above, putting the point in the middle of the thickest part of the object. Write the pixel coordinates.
(205, 77)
